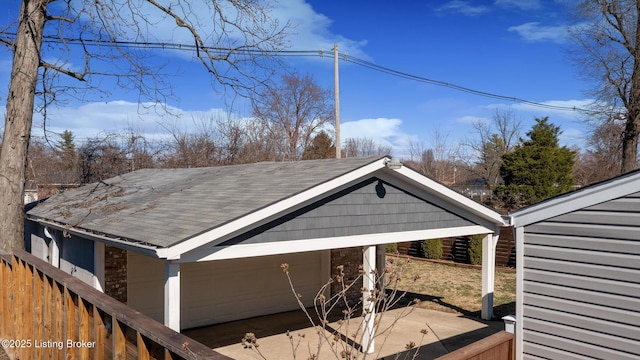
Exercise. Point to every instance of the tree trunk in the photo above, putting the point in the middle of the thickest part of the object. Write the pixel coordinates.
(632, 125)
(630, 141)
(17, 130)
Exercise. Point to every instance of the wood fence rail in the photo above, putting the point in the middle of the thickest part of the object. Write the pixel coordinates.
(49, 314)
(499, 346)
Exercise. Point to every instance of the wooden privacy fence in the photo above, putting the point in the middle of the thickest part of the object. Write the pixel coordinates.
(457, 249)
(499, 346)
(49, 314)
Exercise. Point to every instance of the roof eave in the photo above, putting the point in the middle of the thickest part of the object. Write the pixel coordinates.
(572, 201)
(116, 242)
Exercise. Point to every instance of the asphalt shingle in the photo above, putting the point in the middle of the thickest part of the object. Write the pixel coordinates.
(162, 207)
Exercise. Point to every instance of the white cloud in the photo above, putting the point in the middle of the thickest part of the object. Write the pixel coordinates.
(534, 32)
(573, 137)
(312, 30)
(383, 131)
(470, 119)
(520, 4)
(93, 119)
(309, 29)
(463, 7)
(117, 117)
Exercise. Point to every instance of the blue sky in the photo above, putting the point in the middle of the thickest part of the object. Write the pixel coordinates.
(514, 48)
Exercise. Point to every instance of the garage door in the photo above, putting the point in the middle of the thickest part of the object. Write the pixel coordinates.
(225, 290)
(219, 291)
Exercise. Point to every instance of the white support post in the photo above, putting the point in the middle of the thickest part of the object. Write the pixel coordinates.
(368, 306)
(98, 266)
(172, 295)
(489, 243)
(54, 248)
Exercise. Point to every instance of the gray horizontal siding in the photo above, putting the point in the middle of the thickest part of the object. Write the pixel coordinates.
(589, 296)
(535, 349)
(566, 333)
(587, 311)
(588, 270)
(571, 256)
(585, 243)
(370, 207)
(592, 230)
(601, 217)
(628, 203)
(581, 283)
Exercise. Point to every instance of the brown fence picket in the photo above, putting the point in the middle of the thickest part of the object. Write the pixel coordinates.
(43, 303)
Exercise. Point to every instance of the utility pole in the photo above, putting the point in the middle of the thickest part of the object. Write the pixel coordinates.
(336, 92)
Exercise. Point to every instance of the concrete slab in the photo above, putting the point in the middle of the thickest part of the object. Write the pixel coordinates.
(445, 332)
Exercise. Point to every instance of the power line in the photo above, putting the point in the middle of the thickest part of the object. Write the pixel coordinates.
(405, 75)
(308, 53)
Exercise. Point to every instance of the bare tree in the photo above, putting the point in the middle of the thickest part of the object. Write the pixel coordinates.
(293, 111)
(364, 146)
(226, 37)
(101, 158)
(490, 142)
(607, 52)
(422, 158)
(602, 159)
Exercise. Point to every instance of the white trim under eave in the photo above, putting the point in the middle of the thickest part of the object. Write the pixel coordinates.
(176, 251)
(295, 246)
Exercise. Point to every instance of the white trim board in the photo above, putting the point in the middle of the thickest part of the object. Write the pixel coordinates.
(293, 246)
(595, 194)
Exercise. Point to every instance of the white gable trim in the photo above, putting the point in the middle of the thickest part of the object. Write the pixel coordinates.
(294, 246)
(450, 196)
(174, 252)
(589, 196)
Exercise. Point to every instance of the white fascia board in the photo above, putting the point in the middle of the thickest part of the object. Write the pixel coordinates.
(294, 246)
(174, 252)
(579, 199)
(448, 194)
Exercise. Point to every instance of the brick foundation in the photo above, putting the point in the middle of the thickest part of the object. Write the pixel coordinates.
(115, 273)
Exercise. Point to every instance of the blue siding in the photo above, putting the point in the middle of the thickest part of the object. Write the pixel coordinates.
(77, 251)
(372, 206)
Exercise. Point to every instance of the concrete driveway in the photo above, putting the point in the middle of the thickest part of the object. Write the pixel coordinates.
(445, 332)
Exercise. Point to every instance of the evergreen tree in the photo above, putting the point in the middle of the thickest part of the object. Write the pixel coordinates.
(65, 150)
(538, 168)
(321, 147)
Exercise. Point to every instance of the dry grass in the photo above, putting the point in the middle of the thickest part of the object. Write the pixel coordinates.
(454, 288)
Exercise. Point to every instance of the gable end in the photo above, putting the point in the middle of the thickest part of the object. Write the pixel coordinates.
(371, 206)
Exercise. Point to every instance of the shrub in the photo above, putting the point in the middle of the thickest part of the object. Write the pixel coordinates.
(432, 248)
(392, 248)
(475, 249)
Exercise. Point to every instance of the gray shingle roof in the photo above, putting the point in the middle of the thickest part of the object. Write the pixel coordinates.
(163, 207)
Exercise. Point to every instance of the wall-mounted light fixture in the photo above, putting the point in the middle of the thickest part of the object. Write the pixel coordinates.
(393, 163)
